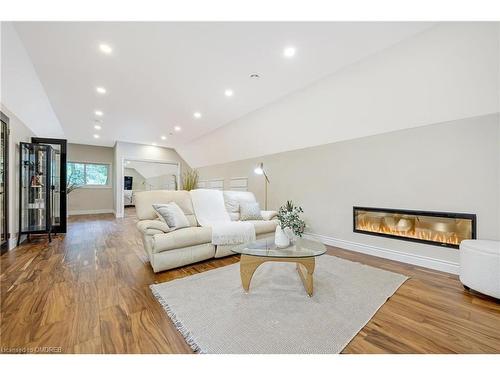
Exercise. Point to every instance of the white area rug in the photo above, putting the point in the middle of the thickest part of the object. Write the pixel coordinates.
(214, 314)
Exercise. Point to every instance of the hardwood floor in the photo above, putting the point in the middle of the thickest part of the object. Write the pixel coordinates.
(88, 292)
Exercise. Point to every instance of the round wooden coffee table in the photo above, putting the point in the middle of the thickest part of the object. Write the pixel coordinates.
(303, 252)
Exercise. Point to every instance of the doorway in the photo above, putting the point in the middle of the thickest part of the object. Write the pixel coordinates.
(143, 175)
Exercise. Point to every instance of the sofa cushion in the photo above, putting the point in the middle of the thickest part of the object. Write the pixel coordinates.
(233, 199)
(144, 201)
(180, 238)
(264, 226)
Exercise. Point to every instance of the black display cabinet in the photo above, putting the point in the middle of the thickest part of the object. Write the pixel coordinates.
(35, 195)
(58, 181)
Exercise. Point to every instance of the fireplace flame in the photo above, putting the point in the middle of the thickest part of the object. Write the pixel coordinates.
(414, 232)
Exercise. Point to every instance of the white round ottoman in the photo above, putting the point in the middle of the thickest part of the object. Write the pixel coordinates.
(480, 266)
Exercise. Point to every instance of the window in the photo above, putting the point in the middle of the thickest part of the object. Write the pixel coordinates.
(91, 174)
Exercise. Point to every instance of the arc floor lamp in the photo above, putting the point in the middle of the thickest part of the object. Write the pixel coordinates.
(259, 169)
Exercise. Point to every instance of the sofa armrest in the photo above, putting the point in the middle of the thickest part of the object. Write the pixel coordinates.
(269, 215)
(151, 227)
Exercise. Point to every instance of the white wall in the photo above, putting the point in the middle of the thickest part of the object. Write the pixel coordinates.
(21, 90)
(133, 151)
(446, 73)
(452, 166)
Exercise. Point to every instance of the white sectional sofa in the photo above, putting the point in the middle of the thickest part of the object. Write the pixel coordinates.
(170, 249)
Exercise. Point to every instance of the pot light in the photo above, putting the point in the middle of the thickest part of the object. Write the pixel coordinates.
(289, 52)
(97, 127)
(96, 136)
(100, 90)
(105, 48)
(99, 113)
(163, 137)
(229, 92)
(177, 128)
(197, 115)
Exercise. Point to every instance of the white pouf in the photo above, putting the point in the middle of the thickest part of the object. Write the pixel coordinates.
(480, 266)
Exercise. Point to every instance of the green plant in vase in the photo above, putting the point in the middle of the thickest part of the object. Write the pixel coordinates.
(290, 224)
(190, 180)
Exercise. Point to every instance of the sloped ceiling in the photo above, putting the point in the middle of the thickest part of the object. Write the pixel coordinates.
(160, 73)
(21, 90)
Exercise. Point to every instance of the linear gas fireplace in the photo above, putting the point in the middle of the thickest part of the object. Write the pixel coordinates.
(435, 228)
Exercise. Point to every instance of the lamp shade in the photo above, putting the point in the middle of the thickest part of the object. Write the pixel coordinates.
(259, 169)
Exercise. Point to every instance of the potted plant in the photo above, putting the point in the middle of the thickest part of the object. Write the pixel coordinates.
(290, 224)
(190, 180)
(72, 184)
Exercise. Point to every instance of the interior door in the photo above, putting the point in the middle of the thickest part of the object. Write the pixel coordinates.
(58, 182)
(4, 183)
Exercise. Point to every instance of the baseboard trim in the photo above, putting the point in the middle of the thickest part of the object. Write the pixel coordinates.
(417, 260)
(91, 212)
(13, 241)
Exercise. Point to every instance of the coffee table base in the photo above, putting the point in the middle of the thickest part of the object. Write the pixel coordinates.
(305, 268)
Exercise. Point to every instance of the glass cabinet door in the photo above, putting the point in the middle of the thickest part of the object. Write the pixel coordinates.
(55, 185)
(35, 188)
(58, 181)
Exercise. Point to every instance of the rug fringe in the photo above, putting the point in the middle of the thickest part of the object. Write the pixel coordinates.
(188, 336)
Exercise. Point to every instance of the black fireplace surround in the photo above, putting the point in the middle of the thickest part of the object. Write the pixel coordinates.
(446, 229)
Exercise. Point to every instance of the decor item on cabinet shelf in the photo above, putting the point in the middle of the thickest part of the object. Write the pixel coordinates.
(190, 180)
(290, 224)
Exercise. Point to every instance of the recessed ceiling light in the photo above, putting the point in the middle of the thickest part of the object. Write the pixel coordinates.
(98, 113)
(289, 52)
(97, 127)
(163, 137)
(96, 136)
(100, 90)
(154, 144)
(105, 48)
(177, 128)
(197, 115)
(229, 92)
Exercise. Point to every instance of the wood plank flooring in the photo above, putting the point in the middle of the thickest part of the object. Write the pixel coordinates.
(88, 292)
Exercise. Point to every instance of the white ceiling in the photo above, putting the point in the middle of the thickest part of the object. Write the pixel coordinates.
(159, 74)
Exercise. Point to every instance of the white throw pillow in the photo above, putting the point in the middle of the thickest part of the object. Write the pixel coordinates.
(172, 214)
(232, 205)
(250, 211)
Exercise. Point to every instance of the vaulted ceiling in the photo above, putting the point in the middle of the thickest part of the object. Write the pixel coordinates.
(159, 74)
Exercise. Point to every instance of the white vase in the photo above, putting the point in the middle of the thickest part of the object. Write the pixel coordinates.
(280, 238)
(289, 233)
